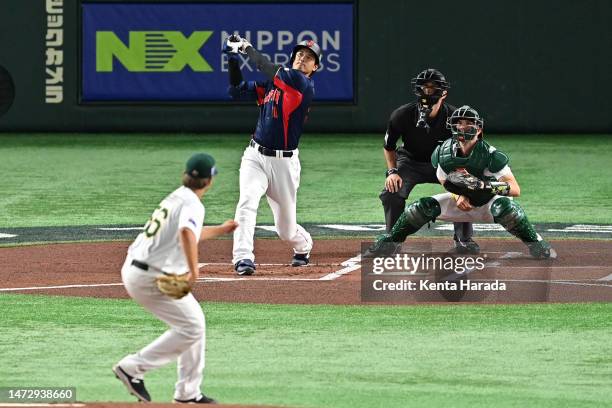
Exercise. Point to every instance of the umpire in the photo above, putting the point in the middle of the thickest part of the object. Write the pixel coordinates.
(422, 127)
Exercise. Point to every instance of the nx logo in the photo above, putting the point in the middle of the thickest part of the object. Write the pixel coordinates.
(152, 51)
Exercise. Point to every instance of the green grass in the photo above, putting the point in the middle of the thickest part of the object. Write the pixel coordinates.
(51, 180)
(546, 355)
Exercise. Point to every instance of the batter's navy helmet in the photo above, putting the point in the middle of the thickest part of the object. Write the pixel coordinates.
(312, 46)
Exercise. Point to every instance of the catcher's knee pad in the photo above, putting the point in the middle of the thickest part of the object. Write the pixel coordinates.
(428, 207)
(414, 217)
(506, 212)
(512, 217)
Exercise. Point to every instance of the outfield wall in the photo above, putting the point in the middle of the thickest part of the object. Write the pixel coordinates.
(528, 66)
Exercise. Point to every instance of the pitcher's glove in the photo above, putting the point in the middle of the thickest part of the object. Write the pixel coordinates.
(175, 286)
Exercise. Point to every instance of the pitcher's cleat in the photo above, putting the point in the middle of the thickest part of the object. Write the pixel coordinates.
(134, 385)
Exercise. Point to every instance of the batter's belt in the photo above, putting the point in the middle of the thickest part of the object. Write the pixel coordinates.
(270, 152)
(140, 265)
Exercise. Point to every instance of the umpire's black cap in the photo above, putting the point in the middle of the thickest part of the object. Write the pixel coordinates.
(312, 46)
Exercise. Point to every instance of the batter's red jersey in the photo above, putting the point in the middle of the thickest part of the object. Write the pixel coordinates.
(284, 103)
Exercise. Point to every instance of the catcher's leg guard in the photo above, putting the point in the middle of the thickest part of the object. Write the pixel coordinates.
(416, 215)
(512, 217)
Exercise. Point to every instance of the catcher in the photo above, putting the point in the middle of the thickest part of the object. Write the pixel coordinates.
(480, 185)
(159, 272)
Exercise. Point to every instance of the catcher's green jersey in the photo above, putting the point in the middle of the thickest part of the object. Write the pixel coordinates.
(483, 156)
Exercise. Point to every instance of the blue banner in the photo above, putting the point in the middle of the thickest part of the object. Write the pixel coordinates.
(172, 52)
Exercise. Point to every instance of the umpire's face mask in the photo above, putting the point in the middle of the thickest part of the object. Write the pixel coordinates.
(428, 95)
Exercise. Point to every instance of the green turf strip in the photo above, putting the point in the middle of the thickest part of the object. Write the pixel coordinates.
(56, 180)
(327, 356)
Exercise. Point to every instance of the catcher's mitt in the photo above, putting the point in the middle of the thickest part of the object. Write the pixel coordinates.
(175, 286)
(478, 191)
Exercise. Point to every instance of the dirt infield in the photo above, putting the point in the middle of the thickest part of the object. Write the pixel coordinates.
(582, 272)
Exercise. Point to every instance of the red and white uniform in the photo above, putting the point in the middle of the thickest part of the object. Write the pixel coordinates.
(270, 164)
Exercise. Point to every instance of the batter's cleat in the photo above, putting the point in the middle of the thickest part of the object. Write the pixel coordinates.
(467, 247)
(245, 267)
(202, 399)
(541, 250)
(300, 260)
(134, 385)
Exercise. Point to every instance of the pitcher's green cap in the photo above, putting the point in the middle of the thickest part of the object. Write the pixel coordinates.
(201, 165)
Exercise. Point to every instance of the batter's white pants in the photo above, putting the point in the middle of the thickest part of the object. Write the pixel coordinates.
(279, 179)
(184, 341)
(450, 212)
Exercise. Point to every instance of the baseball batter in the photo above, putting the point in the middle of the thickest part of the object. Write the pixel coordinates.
(480, 185)
(270, 164)
(162, 260)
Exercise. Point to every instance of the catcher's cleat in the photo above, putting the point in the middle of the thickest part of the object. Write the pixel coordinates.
(541, 250)
(300, 260)
(467, 247)
(202, 399)
(382, 249)
(245, 267)
(134, 385)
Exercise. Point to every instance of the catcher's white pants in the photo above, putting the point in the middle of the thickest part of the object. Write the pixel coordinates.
(450, 211)
(279, 179)
(184, 341)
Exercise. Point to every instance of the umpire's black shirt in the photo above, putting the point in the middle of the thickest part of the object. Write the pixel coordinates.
(419, 143)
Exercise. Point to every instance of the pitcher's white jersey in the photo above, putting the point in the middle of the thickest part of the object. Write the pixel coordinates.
(159, 244)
